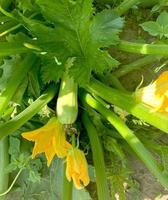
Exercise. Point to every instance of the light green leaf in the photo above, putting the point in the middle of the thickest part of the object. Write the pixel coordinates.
(105, 28)
(163, 19)
(165, 31)
(153, 28)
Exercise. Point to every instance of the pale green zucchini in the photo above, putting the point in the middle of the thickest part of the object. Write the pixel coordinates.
(67, 101)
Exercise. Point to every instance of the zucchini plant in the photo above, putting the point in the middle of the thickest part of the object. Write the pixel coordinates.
(65, 69)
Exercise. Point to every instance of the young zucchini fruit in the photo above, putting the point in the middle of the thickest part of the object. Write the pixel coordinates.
(67, 101)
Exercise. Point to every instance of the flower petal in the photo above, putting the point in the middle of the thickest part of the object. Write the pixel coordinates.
(49, 139)
(155, 95)
(77, 168)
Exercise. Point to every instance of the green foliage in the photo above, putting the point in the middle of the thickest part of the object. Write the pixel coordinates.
(22, 160)
(7, 70)
(34, 82)
(158, 27)
(75, 32)
(159, 6)
(58, 30)
(117, 175)
(25, 5)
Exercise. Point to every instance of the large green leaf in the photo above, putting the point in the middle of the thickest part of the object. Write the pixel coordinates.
(72, 30)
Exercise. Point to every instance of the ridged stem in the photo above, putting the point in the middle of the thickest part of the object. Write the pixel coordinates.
(15, 80)
(136, 145)
(111, 79)
(67, 187)
(135, 65)
(15, 123)
(125, 6)
(128, 103)
(98, 159)
(4, 158)
(142, 48)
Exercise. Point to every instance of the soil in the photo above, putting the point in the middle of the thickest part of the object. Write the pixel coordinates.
(149, 188)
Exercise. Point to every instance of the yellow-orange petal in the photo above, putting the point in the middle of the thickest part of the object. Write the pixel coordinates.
(77, 168)
(76, 181)
(49, 139)
(155, 95)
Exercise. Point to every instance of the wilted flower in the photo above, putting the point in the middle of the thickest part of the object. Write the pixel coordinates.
(77, 168)
(155, 94)
(49, 139)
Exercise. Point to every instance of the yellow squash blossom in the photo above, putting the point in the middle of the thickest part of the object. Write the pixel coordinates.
(156, 94)
(77, 168)
(49, 139)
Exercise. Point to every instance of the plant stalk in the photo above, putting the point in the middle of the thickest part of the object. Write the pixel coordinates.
(129, 103)
(15, 123)
(111, 80)
(4, 158)
(15, 80)
(125, 6)
(135, 65)
(129, 136)
(142, 48)
(67, 187)
(98, 159)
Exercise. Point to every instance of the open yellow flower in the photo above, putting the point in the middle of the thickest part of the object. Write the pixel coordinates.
(156, 94)
(77, 168)
(49, 139)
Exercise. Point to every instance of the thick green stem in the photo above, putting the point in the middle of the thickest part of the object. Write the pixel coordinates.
(15, 123)
(154, 49)
(15, 80)
(112, 80)
(138, 64)
(128, 103)
(4, 158)
(125, 6)
(129, 136)
(98, 159)
(149, 3)
(67, 187)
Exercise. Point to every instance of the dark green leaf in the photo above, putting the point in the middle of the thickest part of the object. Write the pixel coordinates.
(74, 32)
(8, 69)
